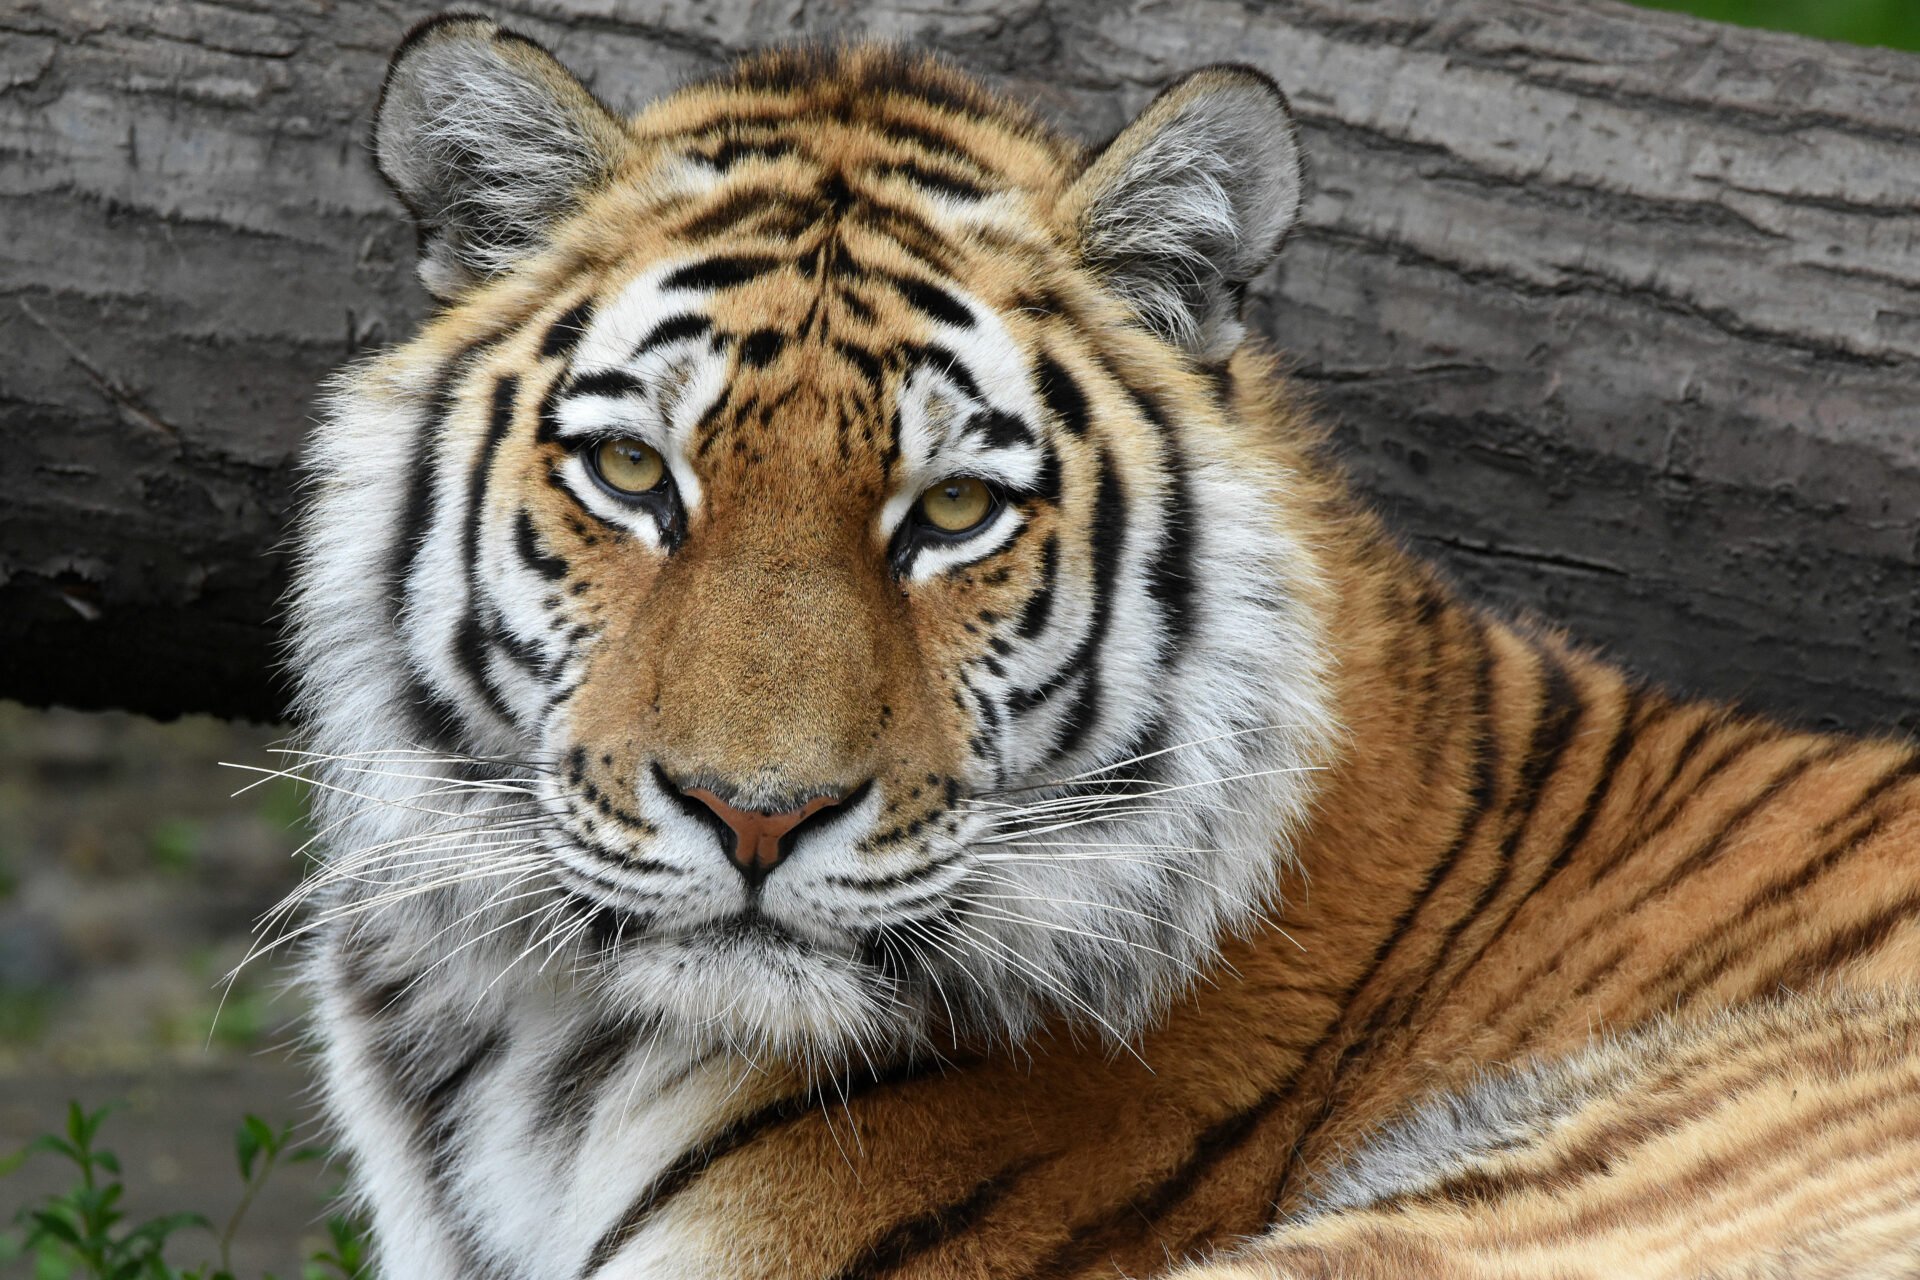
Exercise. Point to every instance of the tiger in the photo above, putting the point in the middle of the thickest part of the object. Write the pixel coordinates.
(857, 729)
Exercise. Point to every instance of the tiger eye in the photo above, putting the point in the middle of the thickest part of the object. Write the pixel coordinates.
(956, 505)
(629, 465)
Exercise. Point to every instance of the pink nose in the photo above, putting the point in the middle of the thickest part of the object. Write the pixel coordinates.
(760, 839)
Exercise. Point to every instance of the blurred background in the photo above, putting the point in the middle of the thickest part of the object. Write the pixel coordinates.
(130, 881)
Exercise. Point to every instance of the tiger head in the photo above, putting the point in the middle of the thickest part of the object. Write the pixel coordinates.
(818, 569)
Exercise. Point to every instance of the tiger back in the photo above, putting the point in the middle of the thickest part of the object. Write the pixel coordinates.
(860, 734)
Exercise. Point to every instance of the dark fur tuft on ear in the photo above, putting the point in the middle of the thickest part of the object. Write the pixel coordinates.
(488, 141)
(1191, 201)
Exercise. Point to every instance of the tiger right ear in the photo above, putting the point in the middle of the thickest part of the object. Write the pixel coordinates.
(1190, 202)
(488, 141)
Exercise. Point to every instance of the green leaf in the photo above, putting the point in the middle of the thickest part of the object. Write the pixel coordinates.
(44, 1143)
(154, 1232)
(254, 1137)
(246, 1145)
(82, 1125)
(51, 1226)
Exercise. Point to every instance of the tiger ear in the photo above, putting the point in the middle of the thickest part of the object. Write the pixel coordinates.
(488, 141)
(1190, 202)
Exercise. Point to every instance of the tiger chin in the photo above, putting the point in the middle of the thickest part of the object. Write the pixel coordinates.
(856, 731)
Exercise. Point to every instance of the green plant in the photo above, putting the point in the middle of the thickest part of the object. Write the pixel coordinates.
(82, 1233)
(1892, 23)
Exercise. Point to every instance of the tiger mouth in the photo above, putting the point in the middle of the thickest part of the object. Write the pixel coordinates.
(613, 926)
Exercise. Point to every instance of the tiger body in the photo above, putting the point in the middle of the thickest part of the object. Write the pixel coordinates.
(1201, 883)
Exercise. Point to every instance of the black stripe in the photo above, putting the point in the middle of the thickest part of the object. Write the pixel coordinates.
(911, 237)
(1627, 844)
(866, 362)
(855, 304)
(1902, 772)
(432, 720)
(1091, 1242)
(435, 1141)
(564, 334)
(1486, 766)
(1733, 750)
(944, 181)
(1063, 395)
(469, 649)
(837, 195)
(614, 383)
(1735, 744)
(926, 1232)
(1107, 537)
(678, 328)
(523, 653)
(1685, 972)
(1170, 573)
(1002, 430)
(373, 997)
(708, 428)
(934, 356)
(1683, 755)
(751, 202)
(890, 456)
(926, 138)
(1560, 711)
(720, 273)
(546, 428)
(527, 546)
(417, 507)
(934, 301)
(694, 1162)
(435, 1130)
(1039, 606)
(1625, 735)
(758, 349)
(1857, 940)
(1708, 851)
(577, 1074)
(734, 150)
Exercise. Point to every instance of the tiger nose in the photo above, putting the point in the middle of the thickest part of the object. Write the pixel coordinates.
(757, 839)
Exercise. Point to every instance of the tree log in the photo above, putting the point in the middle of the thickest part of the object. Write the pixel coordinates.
(1616, 313)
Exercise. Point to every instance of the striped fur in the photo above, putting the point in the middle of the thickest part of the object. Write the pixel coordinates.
(1193, 830)
(1779, 1142)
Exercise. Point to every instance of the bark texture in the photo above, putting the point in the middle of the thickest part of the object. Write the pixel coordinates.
(1617, 314)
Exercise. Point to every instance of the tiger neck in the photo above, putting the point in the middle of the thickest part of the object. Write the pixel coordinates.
(1410, 662)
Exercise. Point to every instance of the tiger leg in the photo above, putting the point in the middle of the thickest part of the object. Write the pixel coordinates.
(1778, 1140)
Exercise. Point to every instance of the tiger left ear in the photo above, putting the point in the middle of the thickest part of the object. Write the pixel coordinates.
(1190, 202)
(489, 142)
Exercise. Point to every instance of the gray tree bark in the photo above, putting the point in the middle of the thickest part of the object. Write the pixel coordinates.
(1617, 314)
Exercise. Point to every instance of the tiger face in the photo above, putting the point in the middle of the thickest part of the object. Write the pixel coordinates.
(818, 522)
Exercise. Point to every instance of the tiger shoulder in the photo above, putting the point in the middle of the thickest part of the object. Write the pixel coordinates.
(861, 733)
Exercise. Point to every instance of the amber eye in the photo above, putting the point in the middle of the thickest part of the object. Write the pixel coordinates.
(956, 505)
(627, 465)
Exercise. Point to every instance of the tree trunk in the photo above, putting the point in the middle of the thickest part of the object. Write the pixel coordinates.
(1616, 313)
